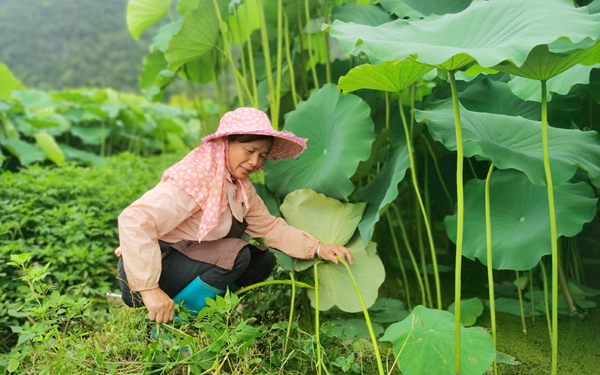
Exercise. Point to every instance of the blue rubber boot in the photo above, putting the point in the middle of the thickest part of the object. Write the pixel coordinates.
(193, 296)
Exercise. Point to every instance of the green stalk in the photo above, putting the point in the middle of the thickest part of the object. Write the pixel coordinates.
(488, 236)
(563, 284)
(242, 57)
(521, 309)
(301, 41)
(439, 173)
(277, 99)
(387, 110)
(553, 232)
(460, 218)
(367, 319)
(264, 37)
(402, 270)
(251, 60)
(326, 38)
(421, 247)
(546, 303)
(413, 260)
(317, 327)
(287, 335)
(413, 174)
(309, 41)
(288, 56)
(274, 282)
(532, 296)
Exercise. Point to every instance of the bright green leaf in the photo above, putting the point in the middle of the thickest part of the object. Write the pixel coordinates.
(245, 21)
(141, 14)
(520, 218)
(47, 144)
(425, 342)
(349, 329)
(362, 14)
(72, 153)
(164, 34)
(8, 82)
(25, 152)
(470, 310)
(91, 134)
(185, 6)
(423, 8)
(340, 133)
(391, 76)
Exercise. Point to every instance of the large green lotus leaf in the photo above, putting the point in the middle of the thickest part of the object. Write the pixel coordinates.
(336, 287)
(348, 329)
(72, 153)
(543, 64)
(362, 14)
(91, 134)
(328, 219)
(27, 153)
(520, 218)
(365, 167)
(155, 75)
(470, 310)
(340, 132)
(52, 123)
(141, 14)
(528, 89)
(487, 31)
(198, 35)
(423, 8)
(47, 143)
(8, 82)
(269, 199)
(425, 343)
(383, 189)
(186, 5)
(515, 142)
(33, 99)
(163, 36)
(391, 76)
(246, 20)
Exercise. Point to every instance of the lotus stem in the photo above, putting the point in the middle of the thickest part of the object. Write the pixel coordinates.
(410, 253)
(309, 42)
(397, 248)
(563, 285)
(326, 39)
(532, 295)
(274, 282)
(251, 60)
(289, 328)
(546, 303)
(264, 37)
(288, 56)
(438, 172)
(488, 237)
(521, 309)
(553, 231)
(460, 218)
(413, 174)
(367, 318)
(317, 327)
(276, 100)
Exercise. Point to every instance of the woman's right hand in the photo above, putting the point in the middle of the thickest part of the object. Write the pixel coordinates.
(161, 307)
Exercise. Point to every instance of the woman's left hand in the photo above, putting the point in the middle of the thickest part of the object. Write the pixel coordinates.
(328, 252)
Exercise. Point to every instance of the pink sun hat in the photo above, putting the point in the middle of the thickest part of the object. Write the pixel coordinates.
(248, 120)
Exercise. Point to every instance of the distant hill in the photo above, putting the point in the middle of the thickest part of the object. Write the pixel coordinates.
(57, 44)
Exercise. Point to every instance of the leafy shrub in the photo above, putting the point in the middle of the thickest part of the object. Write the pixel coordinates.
(67, 218)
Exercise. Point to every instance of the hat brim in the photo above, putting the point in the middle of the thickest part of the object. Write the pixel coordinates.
(285, 144)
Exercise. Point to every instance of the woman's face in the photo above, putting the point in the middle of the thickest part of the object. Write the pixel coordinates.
(246, 158)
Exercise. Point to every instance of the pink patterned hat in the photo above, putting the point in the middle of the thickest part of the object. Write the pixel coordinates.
(248, 120)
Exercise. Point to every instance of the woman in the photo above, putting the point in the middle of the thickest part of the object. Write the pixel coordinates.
(180, 242)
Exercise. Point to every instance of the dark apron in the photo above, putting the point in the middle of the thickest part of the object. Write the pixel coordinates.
(221, 252)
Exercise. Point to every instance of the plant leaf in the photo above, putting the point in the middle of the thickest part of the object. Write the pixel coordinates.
(25, 152)
(520, 218)
(515, 142)
(141, 14)
(423, 8)
(47, 144)
(348, 329)
(163, 36)
(391, 76)
(8, 82)
(470, 310)
(340, 133)
(362, 14)
(450, 41)
(424, 342)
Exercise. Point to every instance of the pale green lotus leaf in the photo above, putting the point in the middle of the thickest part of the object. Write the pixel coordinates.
(515, 142)
(91, 134)
(33, 99)
(8, 82)
(391, 76)
(185, 6)
(163, 36)
(470, 310)
(339, 129)
(336, 287)
(520, 218)
(89, 158)
(48, 145)
(27, 153)
(246, 20)
(141, 14)
(348, 329)
(423, 8)
(528, 89)
(362, 14)
(544, 62)
(197, 36)
(484, 32)
(383, 189)
(424, 342)
(328, 219)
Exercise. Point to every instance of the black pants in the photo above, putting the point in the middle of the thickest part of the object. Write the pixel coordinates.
(251, 266)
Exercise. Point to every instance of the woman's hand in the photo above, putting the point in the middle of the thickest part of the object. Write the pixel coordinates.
(161, 307)
(328, 252)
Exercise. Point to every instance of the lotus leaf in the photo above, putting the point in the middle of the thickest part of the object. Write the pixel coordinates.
(25, 152)
(336, 287)
(163, 36)
(339, 129)
(362, 14)
(520, 218)
(423, 8)
(383, 189)
(391, 76)
(246, 19)
(48, 145)
(33, 99)
(185, 6)
(92, 134)
(515, 142)
(72, 153)
(424, 342)
(470, 310)
(141, 14)
(8, 82)
(349, 329)
(528, 89)
(487, 31)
